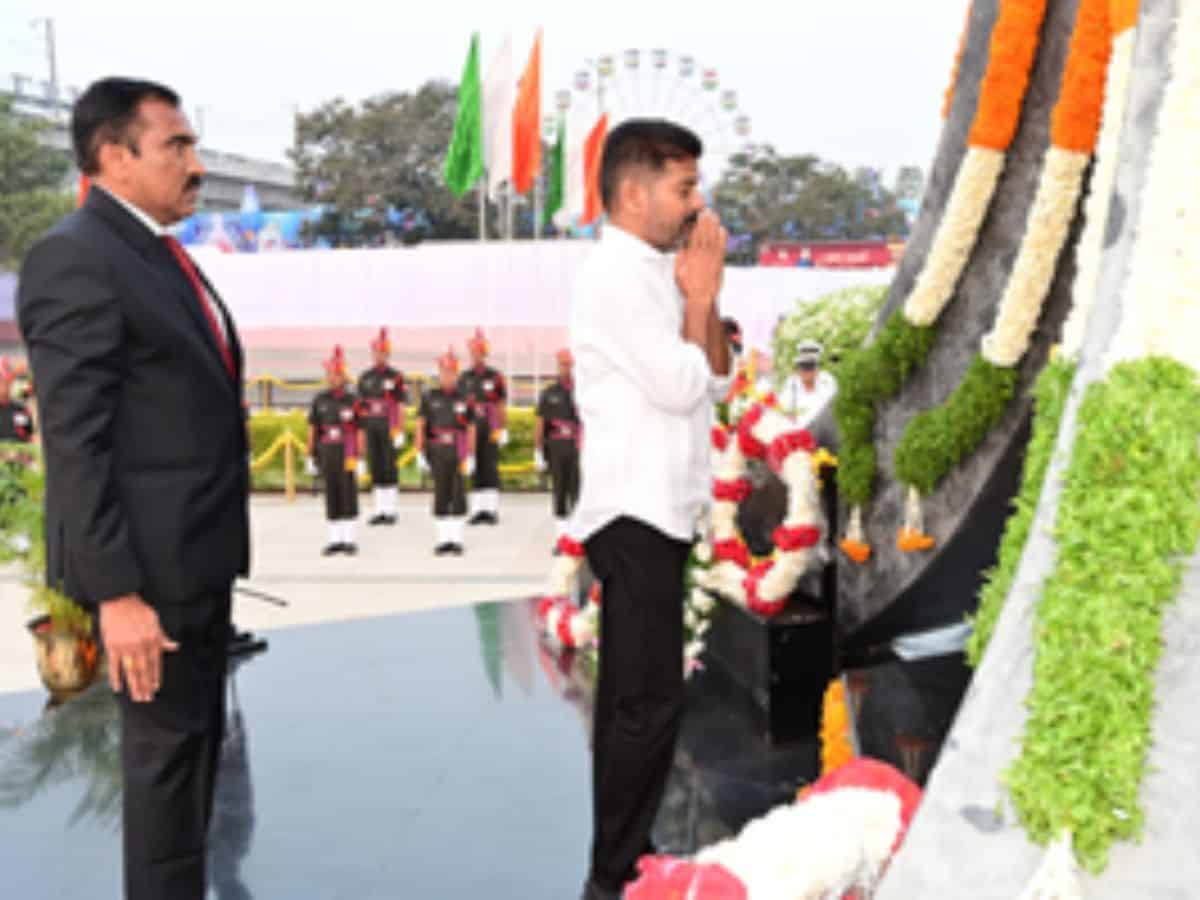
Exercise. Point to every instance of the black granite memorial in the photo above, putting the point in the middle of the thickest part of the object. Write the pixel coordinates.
(782, 664)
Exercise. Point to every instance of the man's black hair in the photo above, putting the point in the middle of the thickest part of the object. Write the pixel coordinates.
(107, 112)
(643, 142)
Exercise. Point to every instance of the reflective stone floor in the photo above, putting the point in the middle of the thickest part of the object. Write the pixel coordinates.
(433, 756)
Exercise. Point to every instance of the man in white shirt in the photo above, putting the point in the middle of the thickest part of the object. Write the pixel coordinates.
(809, 389)
(652, 359)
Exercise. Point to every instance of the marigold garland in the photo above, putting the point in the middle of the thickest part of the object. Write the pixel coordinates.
(836, 747)
(1002, 94)
(1075, 125)
(1013, 46)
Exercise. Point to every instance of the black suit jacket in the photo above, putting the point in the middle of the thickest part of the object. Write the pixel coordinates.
(143, 427)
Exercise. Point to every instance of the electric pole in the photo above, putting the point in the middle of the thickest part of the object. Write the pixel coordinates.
(52, 57)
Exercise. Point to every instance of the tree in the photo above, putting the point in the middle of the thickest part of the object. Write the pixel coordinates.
(31, 178)
(910, 183)
(388, 152)
(772, 197)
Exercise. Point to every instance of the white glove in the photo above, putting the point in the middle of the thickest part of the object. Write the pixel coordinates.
(539, 461)
(422, 463)
(362, 468)
(470, 466)
(310, 467)
(503, 442)
(400, 441)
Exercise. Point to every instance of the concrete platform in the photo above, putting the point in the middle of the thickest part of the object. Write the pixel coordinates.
(394, 572)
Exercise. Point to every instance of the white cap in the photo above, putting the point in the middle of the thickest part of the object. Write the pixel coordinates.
(808, 352)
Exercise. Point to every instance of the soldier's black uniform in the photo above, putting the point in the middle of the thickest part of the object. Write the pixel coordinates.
(16, 424)
(447, 416)
(381, 394)
(335, 416)
(484, 387)
(561, 434)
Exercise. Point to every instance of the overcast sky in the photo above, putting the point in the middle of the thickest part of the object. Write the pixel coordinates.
(856, 81)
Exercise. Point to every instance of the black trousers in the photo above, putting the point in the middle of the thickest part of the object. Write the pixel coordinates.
(449, 497)
(381, 453)
(169, 750)
(341, 487)
(563, 460)
(487, 460)
(639, 696)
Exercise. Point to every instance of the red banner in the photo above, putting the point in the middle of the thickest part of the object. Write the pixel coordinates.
(830, 254)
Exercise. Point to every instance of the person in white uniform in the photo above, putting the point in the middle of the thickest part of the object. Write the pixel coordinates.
(808, 390)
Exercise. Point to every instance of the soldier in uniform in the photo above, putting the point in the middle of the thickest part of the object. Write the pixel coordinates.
(556, 440)
(446, 448)
(382, 395)
(335, 445)
(485, 389)
(16, 422)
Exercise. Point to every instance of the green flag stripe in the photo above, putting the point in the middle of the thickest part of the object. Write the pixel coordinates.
(464, 158)
(556, 188)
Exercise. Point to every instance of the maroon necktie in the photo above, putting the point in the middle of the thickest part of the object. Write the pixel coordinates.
(189, 269)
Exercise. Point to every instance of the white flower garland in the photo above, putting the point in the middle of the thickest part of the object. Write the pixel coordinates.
(569, 627)
(1090, 249)
(1029, 282)
(974, 186)
(1161, 312)
(765, 589)
(829, 844)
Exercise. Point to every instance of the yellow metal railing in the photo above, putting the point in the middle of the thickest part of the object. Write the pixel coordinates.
(290, 445)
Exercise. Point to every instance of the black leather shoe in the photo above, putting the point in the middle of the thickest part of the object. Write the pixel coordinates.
(350, 549)
(378, 519)
(244, 644)
(480, 518)
(331, 549)
(441, 549)
(456, 550)
(493, 518)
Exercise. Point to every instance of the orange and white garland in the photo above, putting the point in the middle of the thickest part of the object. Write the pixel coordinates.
(763, 586)
(1090, 249)
(1012, 48)
(1075, 126)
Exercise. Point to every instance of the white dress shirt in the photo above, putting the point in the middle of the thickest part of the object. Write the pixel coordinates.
(159, 232)
(645, 395)
(802, 404)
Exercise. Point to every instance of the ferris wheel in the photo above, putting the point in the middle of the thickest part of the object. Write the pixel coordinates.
(664, 84)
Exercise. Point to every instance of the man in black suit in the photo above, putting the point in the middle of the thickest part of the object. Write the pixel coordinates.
(138, 373)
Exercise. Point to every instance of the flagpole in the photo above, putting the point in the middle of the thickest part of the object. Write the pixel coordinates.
(537, 208)
(483, 208)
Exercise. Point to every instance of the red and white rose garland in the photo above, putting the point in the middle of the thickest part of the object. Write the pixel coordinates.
(763, 586)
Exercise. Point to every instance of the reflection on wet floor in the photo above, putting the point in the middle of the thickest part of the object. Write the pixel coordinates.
(432, 755)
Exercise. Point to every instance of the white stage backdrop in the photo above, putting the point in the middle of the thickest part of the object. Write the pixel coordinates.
(496, 285)
(291, 307)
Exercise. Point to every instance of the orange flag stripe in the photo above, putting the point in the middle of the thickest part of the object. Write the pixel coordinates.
(1014, 45)
(1075, 123)
(593, 151)
(527, 123)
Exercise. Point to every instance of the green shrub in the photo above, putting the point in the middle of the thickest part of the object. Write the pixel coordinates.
(839, 321)
(1130, 511)
(937, 440)
(867, 377)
